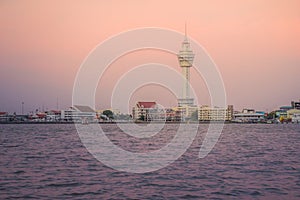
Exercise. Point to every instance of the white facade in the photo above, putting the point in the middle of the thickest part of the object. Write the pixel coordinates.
(206, 113)
(296, 118)
(186, 111)
(148, 111)
(79, 114)
(248, 115)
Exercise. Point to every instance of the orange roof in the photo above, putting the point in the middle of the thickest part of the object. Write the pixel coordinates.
(146, 104)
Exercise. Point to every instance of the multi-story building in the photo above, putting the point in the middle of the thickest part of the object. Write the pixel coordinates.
(79, 113)
(186, 111)
(292, 113)
(207, 113)
(148, 111)
(53, 115)
(249, 115)
(295, 105)
(296, 118)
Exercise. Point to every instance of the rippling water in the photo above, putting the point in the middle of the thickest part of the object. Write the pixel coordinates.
(249, 162)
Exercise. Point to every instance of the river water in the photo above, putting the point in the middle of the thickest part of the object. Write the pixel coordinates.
(250, 161)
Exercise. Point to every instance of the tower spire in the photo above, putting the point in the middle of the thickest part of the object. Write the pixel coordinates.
(185, 31)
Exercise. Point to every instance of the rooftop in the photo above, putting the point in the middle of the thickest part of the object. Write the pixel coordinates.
(146, 104)
(83, 108)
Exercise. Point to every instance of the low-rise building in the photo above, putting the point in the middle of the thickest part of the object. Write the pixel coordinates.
(53, 115)
(295, 104)
(296, 118)
(207, 113)
(148, 111)
(79, 113)
(291, 113)
(4, 117)
(185, 111)
(249, 115)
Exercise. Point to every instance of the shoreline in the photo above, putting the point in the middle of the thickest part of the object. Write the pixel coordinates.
(130, 122)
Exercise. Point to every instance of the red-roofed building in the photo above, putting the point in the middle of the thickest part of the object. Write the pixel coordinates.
(4, 116)
(143, 109)
(146, 104)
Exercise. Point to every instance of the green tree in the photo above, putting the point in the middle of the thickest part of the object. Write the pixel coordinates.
(108, 113)
(272, 115)
(142, 118)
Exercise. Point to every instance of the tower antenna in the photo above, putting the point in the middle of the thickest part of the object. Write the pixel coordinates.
(185, 30)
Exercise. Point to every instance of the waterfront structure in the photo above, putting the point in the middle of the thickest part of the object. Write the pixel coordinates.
(248, 115)
(141, 110)
(185, 58)
(173, 114)
(292, 113)
(285, 108)
(53, 115)
(207, 113)
(296, 118)
(281, 114)
(79, 113)
(4, 117)
(295, 104)
(186, 111)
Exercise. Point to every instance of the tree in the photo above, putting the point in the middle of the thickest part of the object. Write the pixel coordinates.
(108, 113)
(142, 118)
(272, 115)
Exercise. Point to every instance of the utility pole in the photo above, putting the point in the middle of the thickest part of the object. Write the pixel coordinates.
(22, 108)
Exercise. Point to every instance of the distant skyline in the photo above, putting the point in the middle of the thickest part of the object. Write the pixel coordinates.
(255, 45)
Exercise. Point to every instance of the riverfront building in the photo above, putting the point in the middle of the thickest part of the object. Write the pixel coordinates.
(79, 113)
(206, 113)
(148, 111)
(249, 115)
(4, 117)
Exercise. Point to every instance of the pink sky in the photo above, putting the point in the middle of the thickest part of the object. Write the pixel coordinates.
(255, 45)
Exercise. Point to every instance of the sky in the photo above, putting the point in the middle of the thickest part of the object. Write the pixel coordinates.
(255, 45)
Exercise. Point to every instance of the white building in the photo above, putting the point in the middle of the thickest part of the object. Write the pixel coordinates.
(4, 117)
(79, 113)
(296, 118)
(186, 111)
(148, 111)
(206, 113)
(249, 115)
(53, 115)
(291, 113)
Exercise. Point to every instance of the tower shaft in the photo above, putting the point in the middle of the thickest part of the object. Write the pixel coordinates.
(186, 83)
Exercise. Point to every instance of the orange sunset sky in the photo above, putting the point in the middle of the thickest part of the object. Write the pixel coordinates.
(255, 44)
